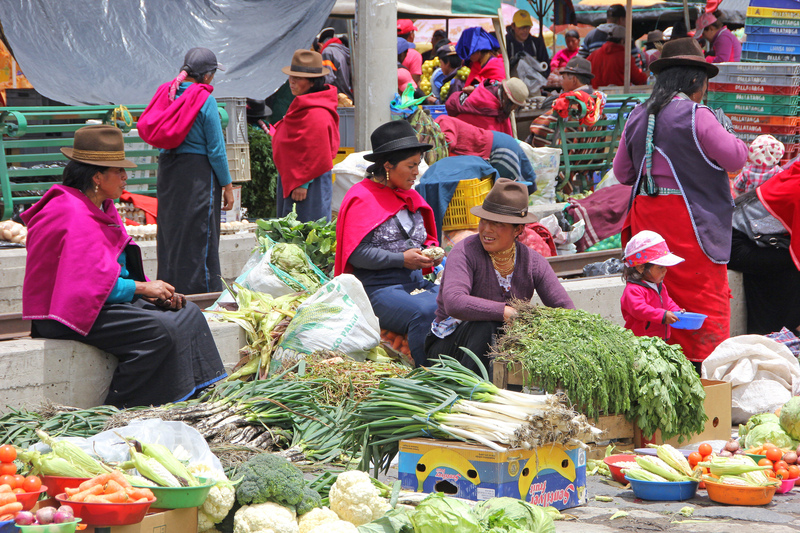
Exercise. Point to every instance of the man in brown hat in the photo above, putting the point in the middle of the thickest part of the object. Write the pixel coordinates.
(490, 104)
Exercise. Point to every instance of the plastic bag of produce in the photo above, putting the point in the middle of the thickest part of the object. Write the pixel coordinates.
(337, 317)
(545, 162)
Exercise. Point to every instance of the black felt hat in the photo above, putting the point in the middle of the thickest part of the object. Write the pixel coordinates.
(394, 136)
(257, 109)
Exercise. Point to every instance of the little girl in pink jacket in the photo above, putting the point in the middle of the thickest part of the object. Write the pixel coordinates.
(646, 306)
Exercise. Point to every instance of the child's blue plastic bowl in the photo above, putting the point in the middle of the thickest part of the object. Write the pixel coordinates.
(669, 491)
(8, 526)
(689, 320)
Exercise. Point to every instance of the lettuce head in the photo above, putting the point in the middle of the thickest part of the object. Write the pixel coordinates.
(790, 417)
(511, 515)
(769, 432)
(439, 514)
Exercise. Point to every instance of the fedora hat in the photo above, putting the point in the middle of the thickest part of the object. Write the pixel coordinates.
(506, 202)
(655, 36)
(683, 52)
(257, 109)
(98, 145)
(394, 136)
(579, 66)
(306, 64)
(516, 90)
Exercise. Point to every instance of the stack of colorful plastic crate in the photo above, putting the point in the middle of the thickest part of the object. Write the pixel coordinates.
(773, 31)
(760, 98)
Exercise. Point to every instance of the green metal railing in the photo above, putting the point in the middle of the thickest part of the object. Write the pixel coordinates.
(29, 132)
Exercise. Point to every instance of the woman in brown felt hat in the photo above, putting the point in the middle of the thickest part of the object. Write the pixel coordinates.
(84, 281)
(306, 140)
(484, 272)
(676, 154)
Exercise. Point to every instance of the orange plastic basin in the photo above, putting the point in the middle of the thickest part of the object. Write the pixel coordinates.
(738, 495)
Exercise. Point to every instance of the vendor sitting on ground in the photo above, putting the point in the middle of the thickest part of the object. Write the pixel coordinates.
(502, 151)
(382, 227)
(485, 272)
(84, 281)
(490, 104)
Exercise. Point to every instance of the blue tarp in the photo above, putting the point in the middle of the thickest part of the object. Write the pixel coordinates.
(86, 52)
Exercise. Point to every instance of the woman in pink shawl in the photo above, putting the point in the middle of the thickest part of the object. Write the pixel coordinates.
(84, 281)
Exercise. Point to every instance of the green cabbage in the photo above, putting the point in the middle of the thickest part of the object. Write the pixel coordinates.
(440, 514)
(510, 515)
(790, 417)
(769, 432)
(394, 521)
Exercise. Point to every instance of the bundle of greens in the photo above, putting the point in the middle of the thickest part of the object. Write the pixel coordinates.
(317, 239)
(587, 357)
(291, 260)
(669, 395)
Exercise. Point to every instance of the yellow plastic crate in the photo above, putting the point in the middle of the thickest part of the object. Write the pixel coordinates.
(469, 193)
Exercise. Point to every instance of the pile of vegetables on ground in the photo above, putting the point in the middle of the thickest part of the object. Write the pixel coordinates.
(604, 369)
(317, 239)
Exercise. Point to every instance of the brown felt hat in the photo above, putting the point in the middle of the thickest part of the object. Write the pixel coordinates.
(506, 202)
(99, 145)
(683, 52)
(306, 64)
(578, 66)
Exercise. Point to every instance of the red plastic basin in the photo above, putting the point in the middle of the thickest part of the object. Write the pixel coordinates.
(29, 499)
(107, 514)
(57, 484)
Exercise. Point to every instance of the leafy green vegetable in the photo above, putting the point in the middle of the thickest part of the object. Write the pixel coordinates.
(769, 432)
(268, 477)
(669, 394)
(790, 417)
(440, 514)
(394, 521)
(509, 514)
(292, 261)
(317, 239)
(583, 354)
(258, 194)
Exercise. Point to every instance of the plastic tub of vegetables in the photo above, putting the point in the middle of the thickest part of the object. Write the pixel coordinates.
(664, 491)
(617, 462)
(108, 514)
(57, 484)
(181, 497)
(29, 499)
(47, 520)
(739, 494)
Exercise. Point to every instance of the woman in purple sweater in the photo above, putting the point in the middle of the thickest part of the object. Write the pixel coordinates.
(486, 271)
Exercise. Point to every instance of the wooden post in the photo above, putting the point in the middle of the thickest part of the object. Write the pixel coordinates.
(499, 29)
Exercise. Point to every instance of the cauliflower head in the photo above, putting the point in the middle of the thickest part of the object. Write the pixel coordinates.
(337, 526)
(265, 518)
(220, 499)
(316, 517)
(204, 522)
(354, 498)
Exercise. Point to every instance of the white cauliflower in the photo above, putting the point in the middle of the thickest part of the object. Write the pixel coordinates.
(337, 526)
(354, 498)
(219, 501)
(265, 518)
(316, 517)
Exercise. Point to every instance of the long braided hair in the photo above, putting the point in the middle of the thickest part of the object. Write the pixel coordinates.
(185, 72)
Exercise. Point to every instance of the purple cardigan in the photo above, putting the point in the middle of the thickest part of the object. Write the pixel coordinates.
(470, 291)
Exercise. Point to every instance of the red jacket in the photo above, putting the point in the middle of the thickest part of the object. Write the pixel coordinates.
(306, 140)
(608, 66)
(645, 310)
(482, 108)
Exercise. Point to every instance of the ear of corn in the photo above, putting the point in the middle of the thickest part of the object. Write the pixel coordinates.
(674, 458)
(641, 475)
(74, 454)
(139, 481)
(161, 453)
(760, 479)
(153, 470)
(659, 467)
(50, 464)
(725, 466)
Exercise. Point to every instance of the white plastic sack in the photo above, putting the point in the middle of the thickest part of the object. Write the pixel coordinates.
(763, 374)
(185, 442)
(608, 180)
(256, 275)
(338, 316)
(545, 162)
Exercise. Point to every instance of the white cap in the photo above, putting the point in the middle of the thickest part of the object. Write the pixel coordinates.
(649, 247)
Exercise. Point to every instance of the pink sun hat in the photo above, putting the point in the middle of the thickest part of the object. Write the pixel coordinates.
(649, 247)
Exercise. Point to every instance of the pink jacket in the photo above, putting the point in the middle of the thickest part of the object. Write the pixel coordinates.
(645, 310)
(71, 266)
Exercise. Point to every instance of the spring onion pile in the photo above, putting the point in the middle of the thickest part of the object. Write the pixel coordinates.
(587, 357)
(18, 426)
(669, 394)
(449, 401)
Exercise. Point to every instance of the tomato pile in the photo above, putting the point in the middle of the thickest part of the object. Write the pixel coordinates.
(783, 462)
(9, 476)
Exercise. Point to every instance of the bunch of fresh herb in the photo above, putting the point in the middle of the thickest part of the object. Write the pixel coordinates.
(258, 194)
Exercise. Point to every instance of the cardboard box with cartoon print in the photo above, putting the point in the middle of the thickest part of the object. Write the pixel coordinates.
(550, 476)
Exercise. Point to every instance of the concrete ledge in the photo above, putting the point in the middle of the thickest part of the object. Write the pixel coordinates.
(234, 251)
(72, 373)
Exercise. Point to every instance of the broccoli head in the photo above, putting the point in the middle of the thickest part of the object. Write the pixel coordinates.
(267, 477)
(311, 500)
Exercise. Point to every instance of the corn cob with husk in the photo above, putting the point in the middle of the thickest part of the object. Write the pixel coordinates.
(641, 475)
(161, 453)
(673, 458)
(732, 466)
(657, 466)
(151, 468)
(49, 464)
(74, 454)
(759, 479)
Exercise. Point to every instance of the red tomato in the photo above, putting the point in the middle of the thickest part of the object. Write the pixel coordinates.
(706, 458)
(7, 480)
(19, 479)
(32, 484)
(774, 454)
(765, 462)
(780, 465)
(705, 449)
(794, 471)
(18, 490)
(769, 473)
(694, 458)
(8, 469)
(782, 474)
(7, 453)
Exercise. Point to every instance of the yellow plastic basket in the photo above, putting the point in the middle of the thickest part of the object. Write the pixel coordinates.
(469, 193)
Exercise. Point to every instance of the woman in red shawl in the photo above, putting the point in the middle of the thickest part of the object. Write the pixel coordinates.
(306, 141)
(382, 227)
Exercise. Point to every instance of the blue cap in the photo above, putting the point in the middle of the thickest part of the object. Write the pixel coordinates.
(403, 45)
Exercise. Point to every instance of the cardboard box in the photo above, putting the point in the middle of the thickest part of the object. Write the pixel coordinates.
(718, 426)
(160, 521)
(551, 475)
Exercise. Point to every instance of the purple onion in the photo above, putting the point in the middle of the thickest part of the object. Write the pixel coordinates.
(24, 518)
(60, 517)
(45, 515)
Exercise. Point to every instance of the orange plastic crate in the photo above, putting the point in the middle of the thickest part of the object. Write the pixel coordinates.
(469, 193)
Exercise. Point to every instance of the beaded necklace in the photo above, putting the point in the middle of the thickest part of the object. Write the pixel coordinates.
(503, 261)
